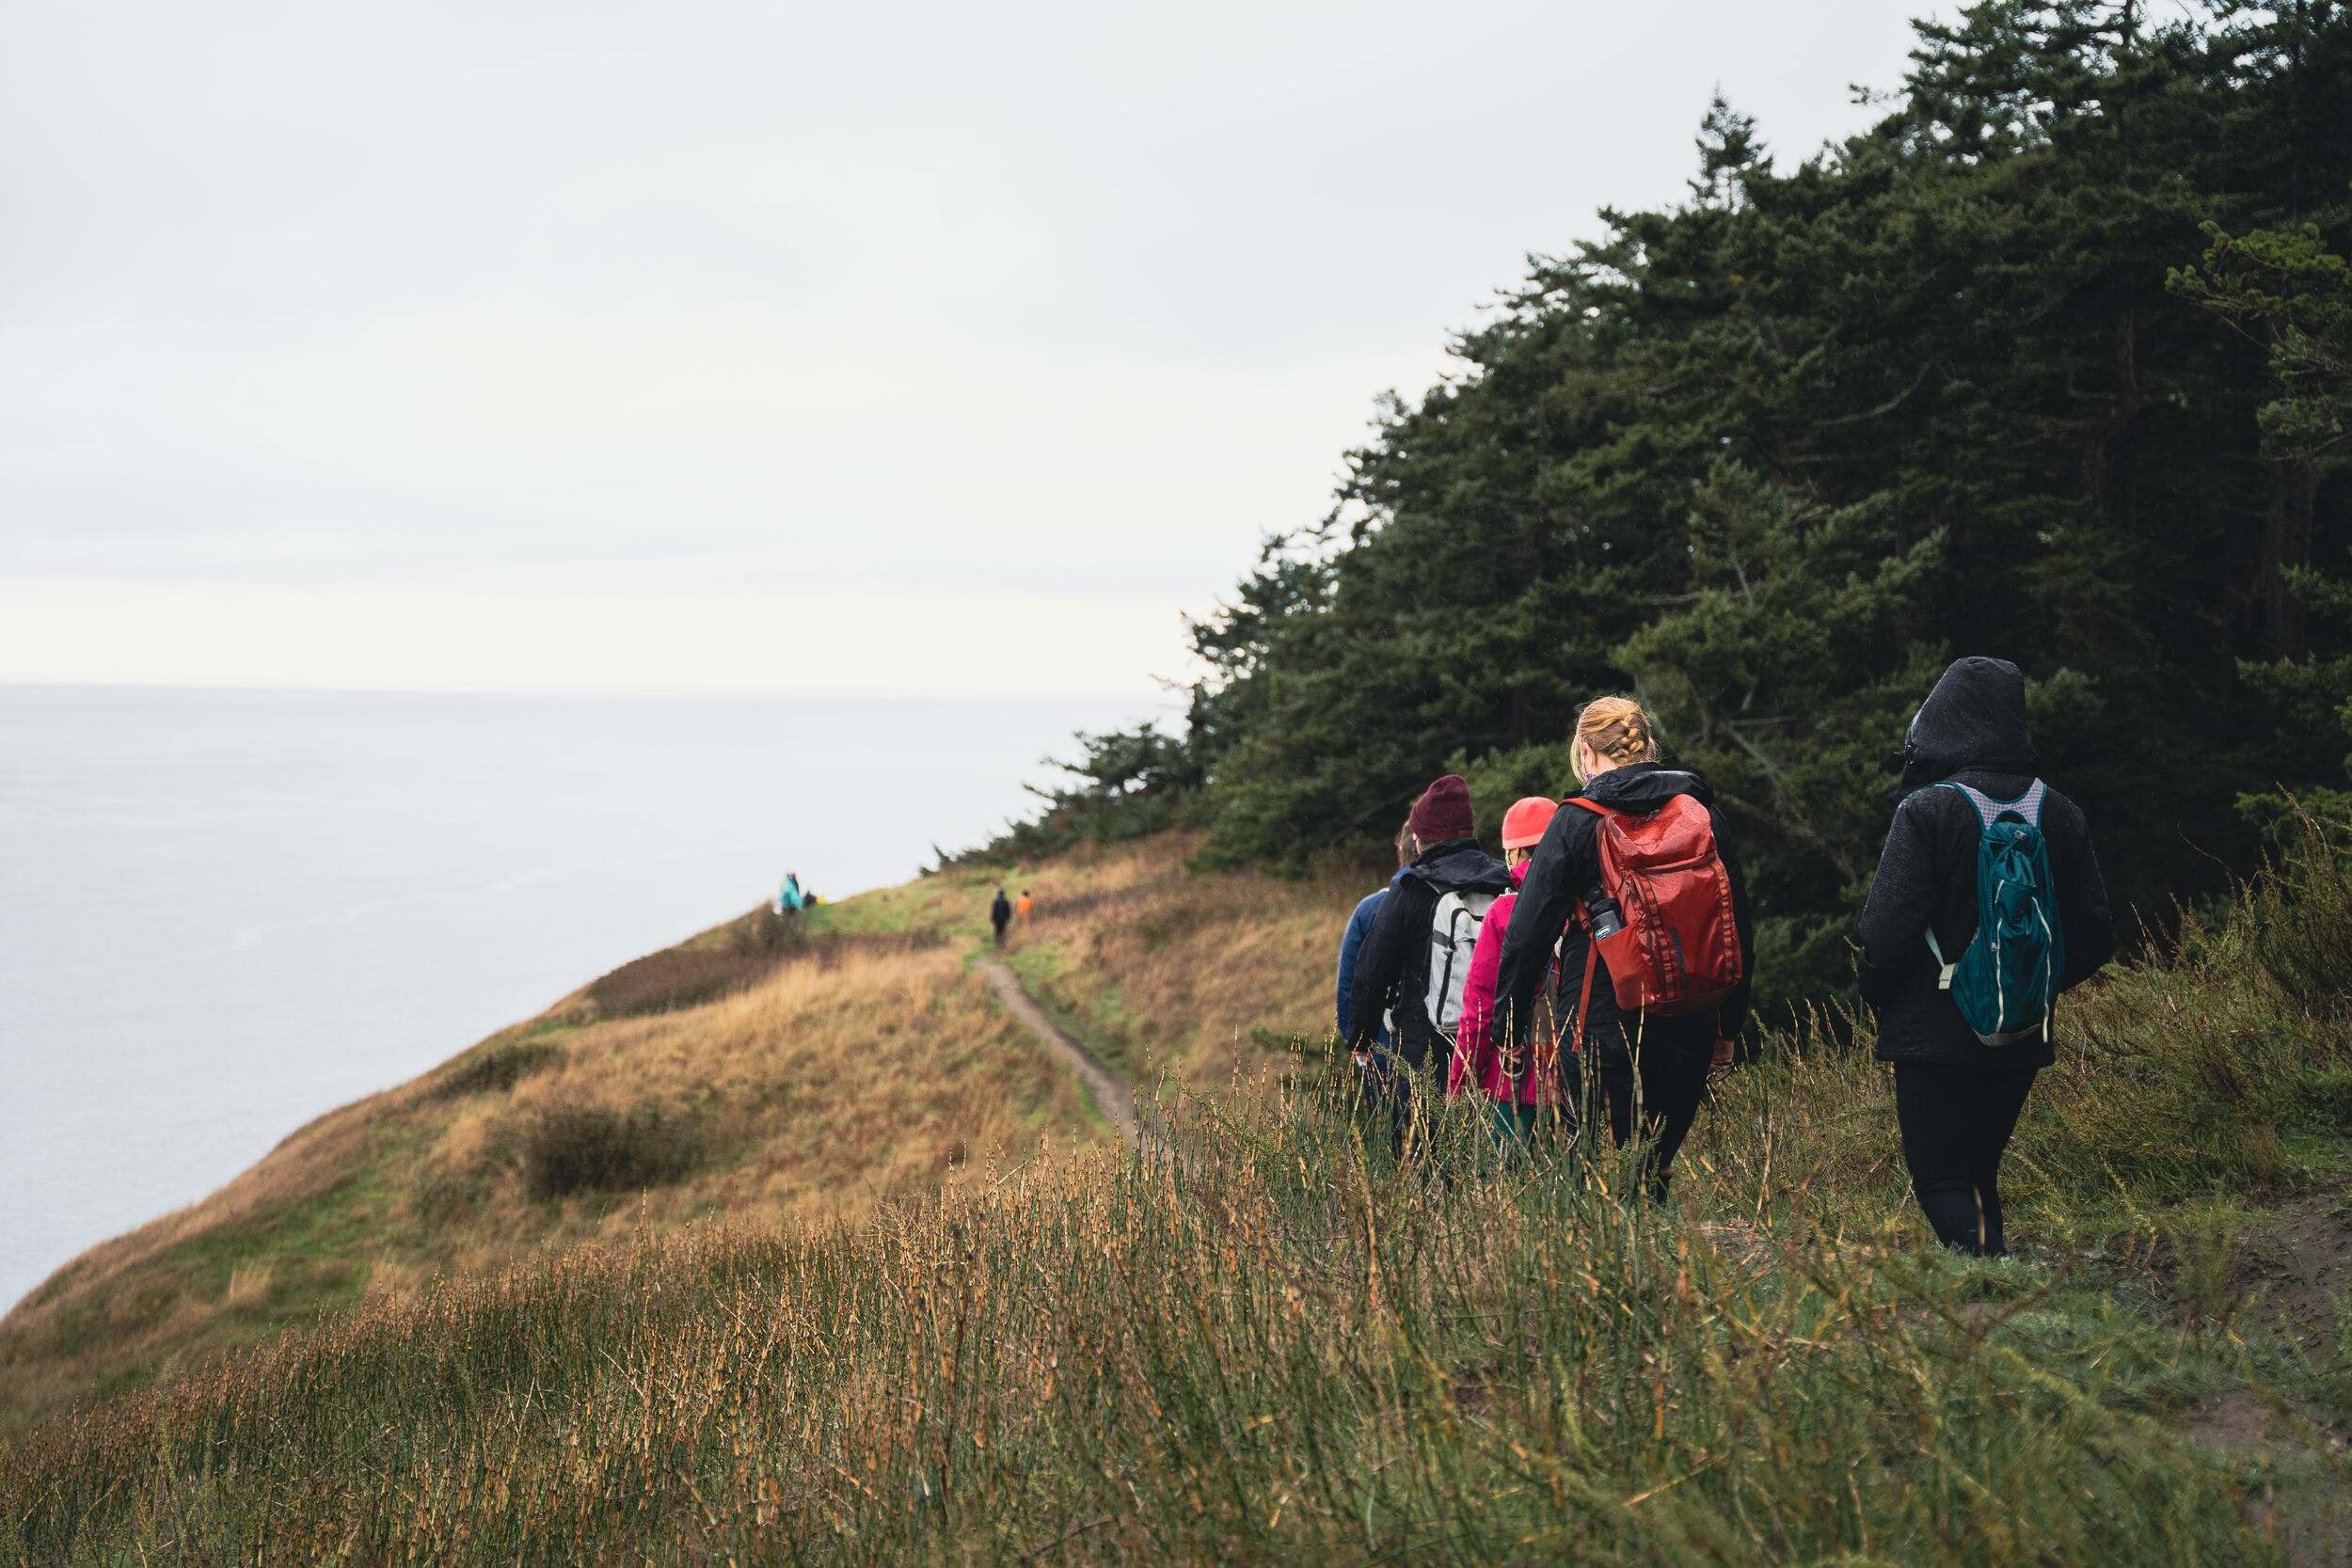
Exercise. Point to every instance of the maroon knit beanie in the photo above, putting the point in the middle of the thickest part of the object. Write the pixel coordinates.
(1443, 811)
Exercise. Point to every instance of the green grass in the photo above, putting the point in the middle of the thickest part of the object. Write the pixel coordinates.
(1279, 1343)
(951, 904)
(315, 1255)
(1086, 1006)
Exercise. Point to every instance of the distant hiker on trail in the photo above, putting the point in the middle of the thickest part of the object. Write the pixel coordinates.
(789, 898)
(1416, 959)
(1000, 915)
(1636, 880)
(1358, 927)
(1518, 1083)
(1987, 904)
(1024, 905)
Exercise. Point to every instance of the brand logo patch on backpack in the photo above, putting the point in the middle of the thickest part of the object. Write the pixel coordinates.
(2006, 980)
(1452, 936)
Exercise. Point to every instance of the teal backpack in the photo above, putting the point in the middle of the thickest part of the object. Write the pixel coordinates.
(2007, 982)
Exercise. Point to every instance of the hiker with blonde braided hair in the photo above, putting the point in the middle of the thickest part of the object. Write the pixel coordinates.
(1636, 881)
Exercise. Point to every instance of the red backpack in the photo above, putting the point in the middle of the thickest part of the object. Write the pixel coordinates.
(1678, 951)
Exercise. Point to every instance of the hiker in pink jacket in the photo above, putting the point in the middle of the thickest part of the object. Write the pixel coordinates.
(1484, 1062)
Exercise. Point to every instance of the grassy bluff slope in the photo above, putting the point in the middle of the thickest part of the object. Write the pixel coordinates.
(754, 1073)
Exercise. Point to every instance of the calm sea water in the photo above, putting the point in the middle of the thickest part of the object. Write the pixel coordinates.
(222, 913)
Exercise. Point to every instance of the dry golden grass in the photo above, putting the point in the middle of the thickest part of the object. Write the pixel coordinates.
(823, 1090)
(249, 1287)
(826, 1088)
(1279, 1345)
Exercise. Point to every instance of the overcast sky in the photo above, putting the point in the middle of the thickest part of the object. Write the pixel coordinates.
(701, 347)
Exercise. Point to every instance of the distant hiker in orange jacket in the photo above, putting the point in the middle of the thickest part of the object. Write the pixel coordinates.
(1021, 907)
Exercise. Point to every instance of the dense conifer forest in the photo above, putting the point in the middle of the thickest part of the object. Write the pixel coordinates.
(2053, 363)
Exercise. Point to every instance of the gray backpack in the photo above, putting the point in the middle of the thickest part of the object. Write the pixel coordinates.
(1452, 935)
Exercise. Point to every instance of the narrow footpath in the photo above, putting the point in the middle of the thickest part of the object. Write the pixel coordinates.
(1109, 1092)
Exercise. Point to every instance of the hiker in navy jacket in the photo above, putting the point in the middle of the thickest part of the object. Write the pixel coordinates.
(1358, 927)
(1956, 1098)
(1392, 966)
(1657, 1066)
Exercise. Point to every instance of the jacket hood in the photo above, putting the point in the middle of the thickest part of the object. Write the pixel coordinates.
(1975, 718)
(1459, 865)
(1639, 788)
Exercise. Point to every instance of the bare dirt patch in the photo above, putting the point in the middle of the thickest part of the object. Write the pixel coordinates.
(2296, 1265)
(2234, 1421)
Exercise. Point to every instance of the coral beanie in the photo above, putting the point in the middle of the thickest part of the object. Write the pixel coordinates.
(1523, 825)
(1443, 811)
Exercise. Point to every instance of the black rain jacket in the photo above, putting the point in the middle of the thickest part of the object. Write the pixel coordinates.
(1565, 868)
(1972, 728)
(1393, 967)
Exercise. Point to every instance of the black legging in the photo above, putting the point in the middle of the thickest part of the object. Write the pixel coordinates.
(1673, 1073)
(1956, 1122)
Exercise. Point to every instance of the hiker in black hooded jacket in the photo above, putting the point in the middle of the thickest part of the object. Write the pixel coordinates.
(1671, 1058)
(1956, 1098)
(1392, 966)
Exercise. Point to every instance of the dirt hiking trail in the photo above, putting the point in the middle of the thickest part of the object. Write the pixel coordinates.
(1109, 1092)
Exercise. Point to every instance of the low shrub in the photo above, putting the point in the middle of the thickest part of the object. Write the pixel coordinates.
(735, 958)
(495, 1069)
(2298, 918)
(573, 1147)
(764, 931)
(680, 978)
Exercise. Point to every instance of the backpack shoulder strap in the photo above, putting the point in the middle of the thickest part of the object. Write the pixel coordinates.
(1986, 810)
(2028, 805)
(1593, 806)
(1986, 807)
(1592, 961)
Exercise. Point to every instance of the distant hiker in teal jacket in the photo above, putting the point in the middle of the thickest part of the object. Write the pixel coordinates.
(1358, 927)
(789, 898)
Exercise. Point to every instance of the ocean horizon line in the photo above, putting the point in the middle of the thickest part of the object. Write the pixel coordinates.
(909, 697)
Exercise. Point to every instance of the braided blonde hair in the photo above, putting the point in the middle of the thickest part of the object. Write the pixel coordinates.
(1617, 728)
